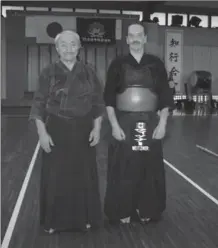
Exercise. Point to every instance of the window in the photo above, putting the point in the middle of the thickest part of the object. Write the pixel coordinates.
(61, 9)
(214, 22)
(184, 22)
(134, 13)
(86, 10)
(161, 17)
(5, 8)
(204, 20)
(108, 11)
(37, 8)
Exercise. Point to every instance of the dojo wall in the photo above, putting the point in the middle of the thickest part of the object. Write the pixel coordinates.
(3, 59)
(25, 58)
(15, 61)
(37, 56)
(200, 51)
(41, 55)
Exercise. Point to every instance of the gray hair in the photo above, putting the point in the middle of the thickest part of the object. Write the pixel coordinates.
(138, 24)
(58, 36)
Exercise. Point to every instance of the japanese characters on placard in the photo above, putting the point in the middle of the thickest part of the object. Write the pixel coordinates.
(173, 57)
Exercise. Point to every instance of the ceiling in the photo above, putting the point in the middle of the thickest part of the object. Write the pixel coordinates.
(128, 5)
(148, 6)
(198, 4)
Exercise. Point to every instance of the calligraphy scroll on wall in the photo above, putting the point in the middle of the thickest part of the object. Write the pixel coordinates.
(174, 58)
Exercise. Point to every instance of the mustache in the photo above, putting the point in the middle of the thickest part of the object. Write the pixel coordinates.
(136, 42)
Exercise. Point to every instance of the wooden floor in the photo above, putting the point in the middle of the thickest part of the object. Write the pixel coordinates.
(190, 219)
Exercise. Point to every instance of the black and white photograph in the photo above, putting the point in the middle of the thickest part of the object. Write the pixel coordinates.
(109, 124)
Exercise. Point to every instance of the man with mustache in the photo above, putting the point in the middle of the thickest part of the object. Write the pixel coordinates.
(138, 99)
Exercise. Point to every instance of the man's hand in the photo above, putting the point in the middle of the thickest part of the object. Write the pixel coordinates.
(46, 142)
(118, 133)
(159, 131)
(94, 136)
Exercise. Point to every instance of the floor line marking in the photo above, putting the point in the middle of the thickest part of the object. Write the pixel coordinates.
(207, 150)
(14, 216)
(15, 115)
(13, 220)
(213, 199)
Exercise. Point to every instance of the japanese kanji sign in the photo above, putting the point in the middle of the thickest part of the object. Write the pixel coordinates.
(173, 57)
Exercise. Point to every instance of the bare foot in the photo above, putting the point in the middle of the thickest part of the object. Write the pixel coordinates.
(50, 231)
(125, 220)
(143, 219)
(88, 226)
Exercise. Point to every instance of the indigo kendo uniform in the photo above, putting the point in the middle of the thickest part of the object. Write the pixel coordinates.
(136, 176)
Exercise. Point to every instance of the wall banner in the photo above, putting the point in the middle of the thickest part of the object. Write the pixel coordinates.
(174, 57)
(97, 30)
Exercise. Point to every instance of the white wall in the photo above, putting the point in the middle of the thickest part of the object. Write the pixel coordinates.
(200, 52)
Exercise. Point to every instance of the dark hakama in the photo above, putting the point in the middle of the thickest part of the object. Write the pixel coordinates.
(69, 181)
(135, 179)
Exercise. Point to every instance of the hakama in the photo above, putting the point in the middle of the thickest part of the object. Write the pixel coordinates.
(69, 180)
(135, 179)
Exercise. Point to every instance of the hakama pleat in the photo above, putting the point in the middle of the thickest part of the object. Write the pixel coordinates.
(69, 195)
(135, 179)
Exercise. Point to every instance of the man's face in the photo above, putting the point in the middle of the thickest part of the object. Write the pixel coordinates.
(68, 47)
(136, 37)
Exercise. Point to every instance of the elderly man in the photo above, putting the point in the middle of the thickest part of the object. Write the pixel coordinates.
(136, 90)
(67, 110)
